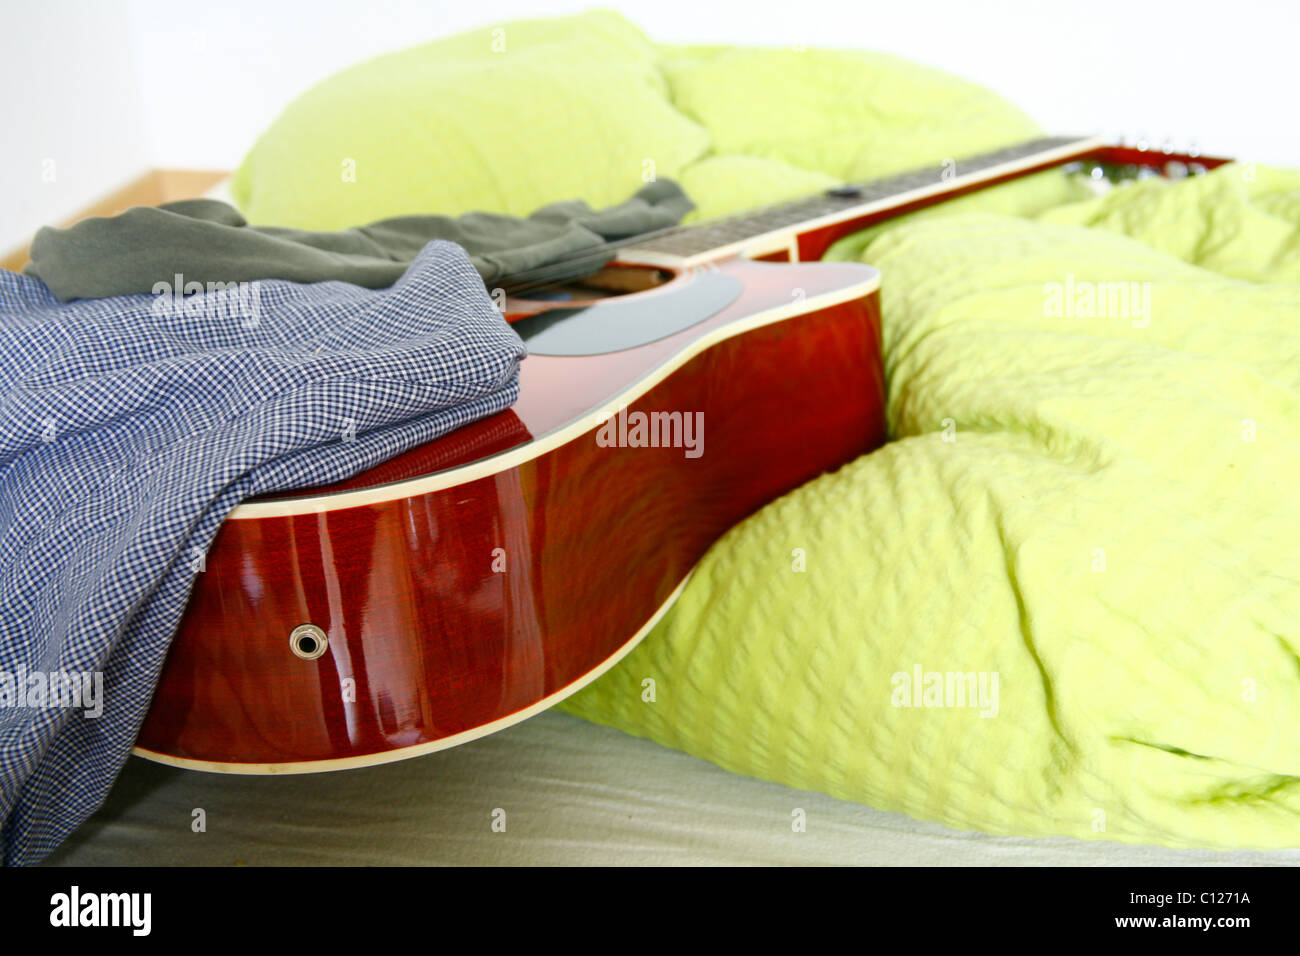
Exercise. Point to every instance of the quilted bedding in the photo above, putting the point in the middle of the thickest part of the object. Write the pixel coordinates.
(1066, 598)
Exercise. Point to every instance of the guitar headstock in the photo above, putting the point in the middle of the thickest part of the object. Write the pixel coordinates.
(1137, 157)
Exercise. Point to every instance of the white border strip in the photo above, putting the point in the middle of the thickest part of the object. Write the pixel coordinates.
(419, 750)
(334, 501)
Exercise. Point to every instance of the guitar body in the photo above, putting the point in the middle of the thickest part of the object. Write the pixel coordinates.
(477, 580)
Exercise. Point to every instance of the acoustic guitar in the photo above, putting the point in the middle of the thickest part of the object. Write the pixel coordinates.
(477, 580)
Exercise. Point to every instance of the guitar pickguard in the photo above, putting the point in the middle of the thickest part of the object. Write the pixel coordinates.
(615, 324)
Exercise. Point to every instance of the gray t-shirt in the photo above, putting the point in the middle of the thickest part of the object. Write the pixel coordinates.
(209, 241)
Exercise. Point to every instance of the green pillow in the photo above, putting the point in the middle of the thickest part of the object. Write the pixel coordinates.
(504, 119)
(849, 114)
(721, 185)
(512, 117)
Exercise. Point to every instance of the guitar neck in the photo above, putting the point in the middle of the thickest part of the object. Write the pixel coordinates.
(777, 228)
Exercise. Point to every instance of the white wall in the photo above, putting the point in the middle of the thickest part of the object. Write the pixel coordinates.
(111, 87)
(71, 118)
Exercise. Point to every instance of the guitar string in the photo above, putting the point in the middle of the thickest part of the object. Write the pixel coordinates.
(524, 281)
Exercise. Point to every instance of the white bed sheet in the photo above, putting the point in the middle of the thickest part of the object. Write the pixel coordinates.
(572, 792)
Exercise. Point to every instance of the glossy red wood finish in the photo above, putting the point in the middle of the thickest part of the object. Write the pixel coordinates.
(595, 541)
(553, 391)
(1131, 156)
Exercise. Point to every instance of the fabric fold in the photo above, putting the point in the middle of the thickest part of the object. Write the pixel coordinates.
(131, 426)
(205, 240)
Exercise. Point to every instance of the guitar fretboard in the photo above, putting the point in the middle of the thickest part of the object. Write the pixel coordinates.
(705, 237)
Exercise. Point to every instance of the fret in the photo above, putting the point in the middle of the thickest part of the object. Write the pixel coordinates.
(704, 237)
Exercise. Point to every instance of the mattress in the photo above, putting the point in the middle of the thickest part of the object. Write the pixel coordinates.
(567, 793)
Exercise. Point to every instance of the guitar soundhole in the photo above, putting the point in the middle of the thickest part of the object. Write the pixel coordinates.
(308, 642)
(608, 282)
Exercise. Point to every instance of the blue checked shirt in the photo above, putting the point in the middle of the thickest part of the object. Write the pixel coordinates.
(131, 426)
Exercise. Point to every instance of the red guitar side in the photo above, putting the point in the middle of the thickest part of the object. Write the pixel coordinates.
(479, 579)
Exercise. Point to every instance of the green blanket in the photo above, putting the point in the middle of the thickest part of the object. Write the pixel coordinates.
(1066, 600)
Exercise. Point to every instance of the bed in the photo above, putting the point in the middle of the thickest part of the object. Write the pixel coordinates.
(1090, 503)
(574, 794)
